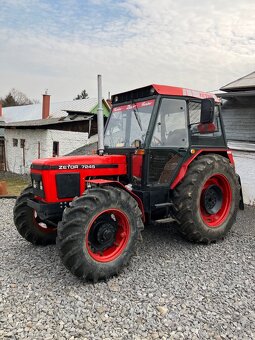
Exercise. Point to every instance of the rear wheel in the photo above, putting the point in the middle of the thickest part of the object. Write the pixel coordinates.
(207, 199)
(99, 232)
(28, 223)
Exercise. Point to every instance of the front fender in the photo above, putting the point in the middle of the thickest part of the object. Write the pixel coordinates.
(101, 182)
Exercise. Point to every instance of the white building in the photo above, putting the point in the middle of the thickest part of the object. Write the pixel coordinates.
(24, 145)
(238, 112)
(54, 134)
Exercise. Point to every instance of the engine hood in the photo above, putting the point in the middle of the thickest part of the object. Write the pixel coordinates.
(78, 162)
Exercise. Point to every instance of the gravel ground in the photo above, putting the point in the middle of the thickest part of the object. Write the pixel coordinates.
(171, 290)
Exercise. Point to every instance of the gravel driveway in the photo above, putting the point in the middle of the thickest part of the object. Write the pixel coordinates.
(171, 290)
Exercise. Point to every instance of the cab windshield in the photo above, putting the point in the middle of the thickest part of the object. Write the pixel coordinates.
(128, 123)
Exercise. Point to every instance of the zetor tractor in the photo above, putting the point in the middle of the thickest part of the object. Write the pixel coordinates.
(165, 159)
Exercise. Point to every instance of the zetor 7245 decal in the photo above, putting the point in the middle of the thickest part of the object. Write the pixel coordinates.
(164, 158)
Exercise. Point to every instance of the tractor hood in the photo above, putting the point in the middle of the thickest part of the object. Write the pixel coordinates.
(79, 162)
(62, 178)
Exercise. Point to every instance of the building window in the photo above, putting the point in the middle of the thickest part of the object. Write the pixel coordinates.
(15, 142)
(22, 143)
(55, 152)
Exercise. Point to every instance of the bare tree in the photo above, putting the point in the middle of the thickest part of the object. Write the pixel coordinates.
(16, 98)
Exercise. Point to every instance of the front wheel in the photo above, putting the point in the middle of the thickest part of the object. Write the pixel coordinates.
(207, 199)
(28, 223)
(99, 232)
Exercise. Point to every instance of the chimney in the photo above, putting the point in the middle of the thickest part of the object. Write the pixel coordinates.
(46, 106)
(1, 110)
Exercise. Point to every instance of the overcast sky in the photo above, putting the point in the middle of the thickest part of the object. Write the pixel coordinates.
(62, 45)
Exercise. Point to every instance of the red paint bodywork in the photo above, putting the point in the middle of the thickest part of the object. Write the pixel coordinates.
(186, 164)
(120, 185)
(180, 91)
(134, 106)
(215, 220)
(53, 167)
(137, 163)
(122, 237)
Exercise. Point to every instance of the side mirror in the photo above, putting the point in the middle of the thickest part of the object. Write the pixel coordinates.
(207, 111)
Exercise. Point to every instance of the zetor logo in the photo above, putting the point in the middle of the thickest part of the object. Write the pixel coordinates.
(76, 166)
(69, 166)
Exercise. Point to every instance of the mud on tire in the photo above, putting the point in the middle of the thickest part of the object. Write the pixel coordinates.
(28, 224)
(99, 233)
(207, 199)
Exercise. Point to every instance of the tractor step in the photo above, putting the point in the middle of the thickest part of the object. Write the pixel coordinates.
(165, 220)
(163, 205)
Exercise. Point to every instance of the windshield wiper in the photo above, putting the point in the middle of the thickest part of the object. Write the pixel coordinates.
(137, 117)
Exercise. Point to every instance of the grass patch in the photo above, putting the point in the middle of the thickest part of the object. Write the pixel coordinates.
(15, 186)
(15, 183)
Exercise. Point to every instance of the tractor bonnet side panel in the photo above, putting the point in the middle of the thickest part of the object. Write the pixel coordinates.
(61, 179)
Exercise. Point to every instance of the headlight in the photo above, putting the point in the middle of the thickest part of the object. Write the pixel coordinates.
(37, 184)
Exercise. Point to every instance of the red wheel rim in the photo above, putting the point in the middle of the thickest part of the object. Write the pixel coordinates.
(41, 225)
(103, 224)
(215, 200)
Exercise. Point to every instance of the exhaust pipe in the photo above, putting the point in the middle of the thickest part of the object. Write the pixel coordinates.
(100, 117)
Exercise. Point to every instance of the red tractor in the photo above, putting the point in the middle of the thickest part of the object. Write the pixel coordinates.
(165, 159)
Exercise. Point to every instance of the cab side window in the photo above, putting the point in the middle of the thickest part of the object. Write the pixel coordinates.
(194, 108)
(171, 126)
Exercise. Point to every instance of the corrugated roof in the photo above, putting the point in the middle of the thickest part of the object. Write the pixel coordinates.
(34, 111)
(247, 82)
(49, 121)
(84, 150)
(235, 94)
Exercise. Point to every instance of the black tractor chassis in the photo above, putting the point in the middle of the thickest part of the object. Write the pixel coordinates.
(48, 211)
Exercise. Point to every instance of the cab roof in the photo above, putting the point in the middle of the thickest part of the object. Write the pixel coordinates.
(162, 90)
(181, 91)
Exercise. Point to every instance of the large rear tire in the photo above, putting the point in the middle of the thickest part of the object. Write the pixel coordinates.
(29, 224)
(99, 232)
(207, 199)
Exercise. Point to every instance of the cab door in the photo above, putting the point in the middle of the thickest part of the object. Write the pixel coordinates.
(169, 142)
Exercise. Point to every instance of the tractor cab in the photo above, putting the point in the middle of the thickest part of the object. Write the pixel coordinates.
(158, 128)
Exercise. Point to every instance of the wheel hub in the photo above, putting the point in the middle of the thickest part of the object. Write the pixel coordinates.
(213, 198)
(103, 235)
(106, 233)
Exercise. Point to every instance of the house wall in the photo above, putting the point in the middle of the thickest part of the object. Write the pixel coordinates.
(19, 161)
(245, 167)
(239, 118)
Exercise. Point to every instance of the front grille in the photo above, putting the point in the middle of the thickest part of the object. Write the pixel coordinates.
(68, 185)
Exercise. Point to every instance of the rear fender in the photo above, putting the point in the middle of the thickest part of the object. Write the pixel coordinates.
(241, 203)
(226, 153)
(102, 182)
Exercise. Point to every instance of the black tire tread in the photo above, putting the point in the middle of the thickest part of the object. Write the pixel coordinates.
(184, 197)
(22, 215)
(71, 232)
